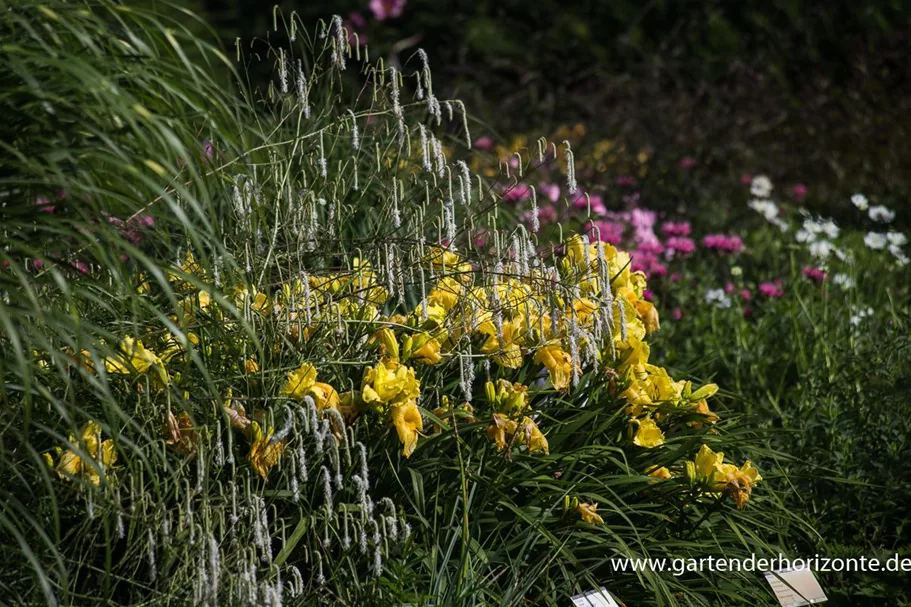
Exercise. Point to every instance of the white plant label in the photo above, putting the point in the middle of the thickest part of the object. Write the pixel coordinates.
(795, 587)
(595, 598)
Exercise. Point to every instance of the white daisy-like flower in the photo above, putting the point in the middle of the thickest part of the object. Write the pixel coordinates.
(717, 298)
(899, 254)
(875, 241)
(829, 228)
(860, 314)
(804, 235)
(761, 186)
(881, 213)
(860, 201)
(766, 208)
(844, 281)
(821, 249)
(781, 224)
(896, 238)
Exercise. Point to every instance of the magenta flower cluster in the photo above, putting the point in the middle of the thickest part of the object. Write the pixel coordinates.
(723, 243)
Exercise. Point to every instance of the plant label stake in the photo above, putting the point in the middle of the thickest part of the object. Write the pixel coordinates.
(795, 587)
(595, 598)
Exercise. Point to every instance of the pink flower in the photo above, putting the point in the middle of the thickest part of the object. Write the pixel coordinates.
(677, 314)
(547, 215)
(729, 288)
(520, 191)
(483, 143)
(606, 231)
(44, 205)
(676, 276)
(550, 190)
(644, 261)
(670, 228)
(681, 246)
(723, 243)
(647, 295)
(799, 190)
(81, 266)
(771, 289)
(385, 9)
(745, 294)
(625, 180)
(687, 162)
(37, 264)
(356, 24)
(746, 179)
(815, 274)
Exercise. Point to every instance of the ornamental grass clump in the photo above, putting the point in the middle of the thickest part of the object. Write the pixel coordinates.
(255, 356)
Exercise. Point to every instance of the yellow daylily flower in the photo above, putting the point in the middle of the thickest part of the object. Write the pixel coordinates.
(706, 464)
(534, 438)
(659, 472)
(422, 348)
(648, 434)
(500, 430)
(508, 353)
(350, 404)
(71, 466)
(259, 301)
(702, 407)
(443, 259)
(738, 482)
(558, 362)
(134, 354)
(324, 396)
(648, 314)
(589, 514)
(180, 434)
(265, 451)
(389, 345)
(445, 294)
(300, 382)
(408, 424)
(237, 414)
(507, 397)
(436, 315)
(389, 382)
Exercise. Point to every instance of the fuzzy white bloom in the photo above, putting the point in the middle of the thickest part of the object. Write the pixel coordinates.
(860, 314)
(340, 42)
(153, 570)
(717, 298)
(781, 224)
(829, 228)
(804, 235)
(899, 255)
(881, 214)
(860, 201)
(821, 248)
(766, 208)
(283, 71)
(875, 241)
(844, 281)
(761, 186)
(896, 239)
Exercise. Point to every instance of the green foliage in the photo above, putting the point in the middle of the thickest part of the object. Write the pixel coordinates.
(828, 386)
(122, 155)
